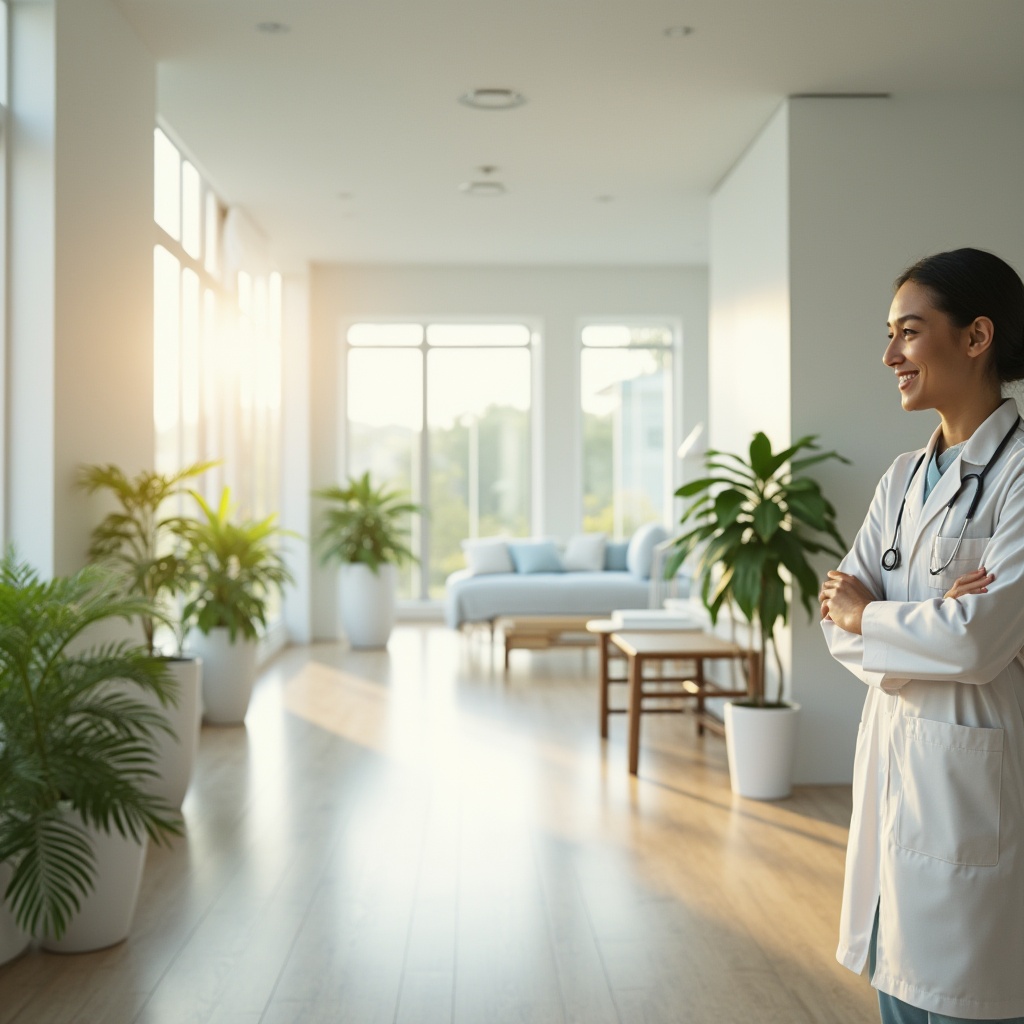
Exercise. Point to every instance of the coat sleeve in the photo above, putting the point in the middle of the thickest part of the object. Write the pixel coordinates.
(969, 640)
(864, 562)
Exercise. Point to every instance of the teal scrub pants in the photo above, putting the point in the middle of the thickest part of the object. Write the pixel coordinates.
(895, 1011)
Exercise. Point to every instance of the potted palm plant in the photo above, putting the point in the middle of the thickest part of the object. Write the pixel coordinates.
(138, 539)
(364, 530)
(76, 751)
(236, 567)
(753, 522)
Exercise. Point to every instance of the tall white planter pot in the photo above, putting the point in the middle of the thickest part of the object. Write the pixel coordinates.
(229, 671)
(106, 914)
(176, 755)
(13, 941)
(368, 603)
(761, 744)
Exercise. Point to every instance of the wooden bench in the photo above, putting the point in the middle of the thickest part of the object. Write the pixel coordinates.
(541, 632)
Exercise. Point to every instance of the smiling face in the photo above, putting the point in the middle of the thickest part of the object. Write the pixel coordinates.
(928, 352)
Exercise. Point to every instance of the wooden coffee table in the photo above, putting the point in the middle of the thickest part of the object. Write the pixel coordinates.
(540, 632)
(642, 648)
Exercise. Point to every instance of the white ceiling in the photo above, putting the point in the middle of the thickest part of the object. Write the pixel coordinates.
(360, 97)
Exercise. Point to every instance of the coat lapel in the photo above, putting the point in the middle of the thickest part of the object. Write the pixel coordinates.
(972, 458)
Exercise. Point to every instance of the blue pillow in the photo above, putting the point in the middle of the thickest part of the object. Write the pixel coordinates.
(615, 555)
(640, 556)
(535, 556)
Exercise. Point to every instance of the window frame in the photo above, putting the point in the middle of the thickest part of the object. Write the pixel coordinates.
(533, 325)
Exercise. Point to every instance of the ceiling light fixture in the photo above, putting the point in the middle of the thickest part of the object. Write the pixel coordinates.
(492, 99)
(273, 28)
(484, 188)
(678, 31)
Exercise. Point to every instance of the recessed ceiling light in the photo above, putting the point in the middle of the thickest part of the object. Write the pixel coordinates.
(679, 31)
(483, 189)
(605, 198)
(493, 99)
(273, 28)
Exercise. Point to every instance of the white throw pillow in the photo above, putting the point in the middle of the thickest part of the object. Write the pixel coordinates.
(487, 555)
(585, 552)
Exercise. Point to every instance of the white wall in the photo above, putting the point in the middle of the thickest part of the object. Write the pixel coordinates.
(81, 309)
(557, 299)
(871, 186)
(748, 277)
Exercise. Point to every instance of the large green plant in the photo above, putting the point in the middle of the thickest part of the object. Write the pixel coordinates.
(752, 524)
(70, 741)
(235, 566)
(137, 540)
(365, 523)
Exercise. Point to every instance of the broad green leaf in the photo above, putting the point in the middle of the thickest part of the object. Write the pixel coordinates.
(761, 456)
(767, 517)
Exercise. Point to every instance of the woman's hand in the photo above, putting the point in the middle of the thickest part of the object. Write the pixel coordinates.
(971, 583)
(843, 599)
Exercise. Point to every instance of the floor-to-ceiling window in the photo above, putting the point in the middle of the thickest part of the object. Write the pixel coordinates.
(443, 412)
(627, 425)
(217, 345)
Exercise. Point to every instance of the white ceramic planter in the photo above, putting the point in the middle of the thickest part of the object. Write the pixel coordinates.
(761, 743)
(13, 941)
(229, 671)
(105, 917)
(176, 755)
(368, 604)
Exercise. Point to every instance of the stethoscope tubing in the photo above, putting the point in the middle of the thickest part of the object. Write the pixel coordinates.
(891, 557)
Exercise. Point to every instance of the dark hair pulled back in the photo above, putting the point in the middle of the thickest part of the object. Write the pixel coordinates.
(968, 283)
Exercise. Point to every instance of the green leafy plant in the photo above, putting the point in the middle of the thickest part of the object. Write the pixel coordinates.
(752, 524)
(364, 523)
(140, 542)
(235, 568)
(69, 741)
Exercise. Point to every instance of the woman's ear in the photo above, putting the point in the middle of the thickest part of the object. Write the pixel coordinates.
(979, 336)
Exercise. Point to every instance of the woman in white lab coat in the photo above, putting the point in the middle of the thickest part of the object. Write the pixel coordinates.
(927, 609)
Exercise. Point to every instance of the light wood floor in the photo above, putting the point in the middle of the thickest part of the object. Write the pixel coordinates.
(409, 838)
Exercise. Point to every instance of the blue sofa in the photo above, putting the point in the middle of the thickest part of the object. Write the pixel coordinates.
(625, 583)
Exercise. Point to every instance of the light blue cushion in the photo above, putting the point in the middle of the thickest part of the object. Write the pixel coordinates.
(535, 555)
(641, 549)
(615, 555)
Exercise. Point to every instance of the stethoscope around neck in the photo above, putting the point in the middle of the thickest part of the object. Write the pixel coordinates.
(891, 558)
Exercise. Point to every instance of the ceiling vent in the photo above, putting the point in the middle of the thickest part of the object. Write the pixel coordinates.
(493, 99)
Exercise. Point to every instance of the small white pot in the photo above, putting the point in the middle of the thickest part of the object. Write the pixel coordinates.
(176, 755)
(368, 603)
(13, 941)
(105, 917)
(229, 671)
(761, 743)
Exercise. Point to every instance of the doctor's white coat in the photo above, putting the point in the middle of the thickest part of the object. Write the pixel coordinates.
(937, 833)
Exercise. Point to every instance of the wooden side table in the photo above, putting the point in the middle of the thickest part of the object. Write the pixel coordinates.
(608, 652)
(640, 648)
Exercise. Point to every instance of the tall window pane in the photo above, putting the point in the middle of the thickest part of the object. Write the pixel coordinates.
(479, 450)
(385, 420)
(167, 184)
(626, 393)
(191, 211)
(166, 358)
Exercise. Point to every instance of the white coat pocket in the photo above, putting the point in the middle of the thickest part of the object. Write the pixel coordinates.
(968, 558)
(949, 805)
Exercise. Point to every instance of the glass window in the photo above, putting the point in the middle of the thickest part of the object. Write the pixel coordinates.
(191, 211)
(166, 358)
(385, 425)
(626, 397)
(477, 335)
(444, 414)
(167, 186)
(385, 334)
